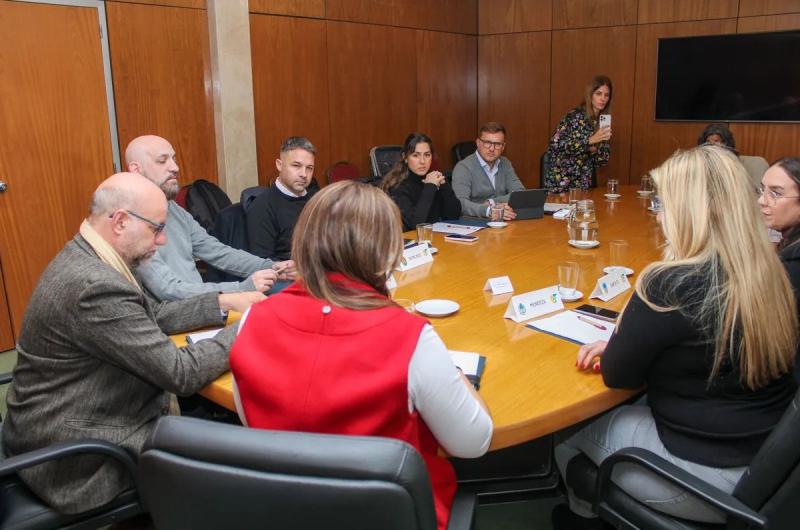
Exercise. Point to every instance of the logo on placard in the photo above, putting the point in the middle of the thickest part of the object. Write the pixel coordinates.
(522, 309)
(604, 287)
(554, 297)
(425, 251)
(403, 261)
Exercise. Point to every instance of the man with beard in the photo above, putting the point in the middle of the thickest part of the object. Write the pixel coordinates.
(94, 356)
(172, 274)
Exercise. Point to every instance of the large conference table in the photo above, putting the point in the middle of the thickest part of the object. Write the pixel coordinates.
(530, 384)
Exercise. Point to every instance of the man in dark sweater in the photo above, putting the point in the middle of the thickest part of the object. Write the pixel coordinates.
(273, 214)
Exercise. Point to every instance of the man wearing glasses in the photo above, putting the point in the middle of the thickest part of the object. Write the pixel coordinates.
(172, 274)
(94, 357)
(486, 178)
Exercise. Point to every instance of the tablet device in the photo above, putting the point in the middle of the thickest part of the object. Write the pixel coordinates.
(528, 204)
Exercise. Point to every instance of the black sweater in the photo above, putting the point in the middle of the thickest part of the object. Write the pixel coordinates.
(719, 425)
(270, 223)
(424, 203)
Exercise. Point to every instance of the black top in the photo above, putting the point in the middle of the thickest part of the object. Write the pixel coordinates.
(424, 203)
(722, 424)
(270, 222)
(790, 256)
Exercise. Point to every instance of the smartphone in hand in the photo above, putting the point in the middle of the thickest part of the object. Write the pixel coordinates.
(605, 120)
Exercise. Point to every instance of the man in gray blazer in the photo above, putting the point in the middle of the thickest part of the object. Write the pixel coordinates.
(95, 360)
(486, 178)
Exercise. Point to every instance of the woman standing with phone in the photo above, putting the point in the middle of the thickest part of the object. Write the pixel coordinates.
(581, 142)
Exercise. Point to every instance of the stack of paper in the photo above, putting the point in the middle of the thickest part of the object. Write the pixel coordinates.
(574, 327)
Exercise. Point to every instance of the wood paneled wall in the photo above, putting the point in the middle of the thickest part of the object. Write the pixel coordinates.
(529, 86)
(162, 80)
(368, 73)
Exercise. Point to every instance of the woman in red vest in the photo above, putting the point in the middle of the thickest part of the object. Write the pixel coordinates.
(334, 354)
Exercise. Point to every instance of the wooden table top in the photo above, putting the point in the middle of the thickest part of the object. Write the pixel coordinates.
(530, 385)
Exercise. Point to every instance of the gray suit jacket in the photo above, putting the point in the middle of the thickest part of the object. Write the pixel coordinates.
(95, 361)
(473, 187)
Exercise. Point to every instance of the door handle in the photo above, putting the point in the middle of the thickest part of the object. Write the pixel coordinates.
(3, 186)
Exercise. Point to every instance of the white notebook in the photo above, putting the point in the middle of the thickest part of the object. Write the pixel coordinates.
(567, 325)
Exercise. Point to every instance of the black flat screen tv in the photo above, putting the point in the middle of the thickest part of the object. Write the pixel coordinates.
(743, 77)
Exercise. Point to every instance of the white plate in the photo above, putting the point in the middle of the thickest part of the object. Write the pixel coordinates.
(612, 195)
(577, 295)
(643, 193)
(497, 224)
(610, 270)
(583, 244)
(436, 308)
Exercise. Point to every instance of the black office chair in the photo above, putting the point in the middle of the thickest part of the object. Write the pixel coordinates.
(462, 150)
(544, 167)
(383, 158)
(200, 475)
(767, 495)
(22, 510)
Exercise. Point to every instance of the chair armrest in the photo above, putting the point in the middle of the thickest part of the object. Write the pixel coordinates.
(672, 473)
(5, 378)
(58, 450)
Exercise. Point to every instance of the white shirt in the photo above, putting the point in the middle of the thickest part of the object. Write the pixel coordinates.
(491, 171)
(286, 191)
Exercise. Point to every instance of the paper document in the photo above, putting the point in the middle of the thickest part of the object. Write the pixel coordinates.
(567, 325)
(469, 362)
(449, 228)
(200, 335)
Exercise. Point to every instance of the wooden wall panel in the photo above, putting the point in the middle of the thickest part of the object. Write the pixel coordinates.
(578, 55)
(651, 11)
(6, 335)
(299, 8)
(514, 16)
(749, 8)
(770, 140)
(654, 141)
(290, 88)
(457, 16)
(514, 88)
(446, 89)
(195, 4)
(769, 23)
(162, 81)
(372, 88)
(568, 14)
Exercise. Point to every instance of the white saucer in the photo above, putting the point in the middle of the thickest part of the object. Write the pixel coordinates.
(583, 244)
(612, 195)
(436, 308)
(610, 270)
(496, 224)
(577, 295)
(654, 209)
(644, 193)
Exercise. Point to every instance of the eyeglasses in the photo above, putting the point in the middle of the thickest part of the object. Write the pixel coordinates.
(772, 196)
(157, 227)
(492, 145)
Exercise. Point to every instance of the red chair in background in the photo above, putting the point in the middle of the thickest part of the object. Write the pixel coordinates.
(342, 170)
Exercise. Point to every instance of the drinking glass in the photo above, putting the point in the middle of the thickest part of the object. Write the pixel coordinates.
(647, 185)
(618, 251)
(425, 233)
(497, 214)
(655, 203)
(574, 196)
(613, 187)
(568, 274)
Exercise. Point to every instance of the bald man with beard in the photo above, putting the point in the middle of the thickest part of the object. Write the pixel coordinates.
(172, 274)
(94, 356)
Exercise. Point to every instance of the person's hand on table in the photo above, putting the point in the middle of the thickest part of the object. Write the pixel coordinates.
(239, 301)
(263, 279)
(589, 355)
(286, 270)
(508, 212)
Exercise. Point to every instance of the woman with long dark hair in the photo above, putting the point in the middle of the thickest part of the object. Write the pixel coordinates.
(423, 196)
(579, 144)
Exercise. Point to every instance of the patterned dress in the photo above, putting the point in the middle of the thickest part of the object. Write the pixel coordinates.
(571, 162)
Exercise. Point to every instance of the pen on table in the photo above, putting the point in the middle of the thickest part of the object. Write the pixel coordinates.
(595, 324)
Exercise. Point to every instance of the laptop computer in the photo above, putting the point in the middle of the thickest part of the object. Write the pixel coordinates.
(528, 204)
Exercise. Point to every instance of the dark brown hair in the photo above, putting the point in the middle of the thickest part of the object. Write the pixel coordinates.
(399, 171)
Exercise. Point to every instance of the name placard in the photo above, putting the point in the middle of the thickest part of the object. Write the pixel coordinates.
(533, 304)
(499, 285)
(414, 257)
(611, 285)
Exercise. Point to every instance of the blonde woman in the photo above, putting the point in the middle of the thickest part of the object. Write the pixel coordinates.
(334, 354)
(711, 332)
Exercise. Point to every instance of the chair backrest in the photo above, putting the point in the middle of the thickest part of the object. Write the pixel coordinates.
(195, 474)
(462, 150)
(756, 166)
(341, 170)
(204, 201)
(383, 157)
(771, 485)
(248, 195)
